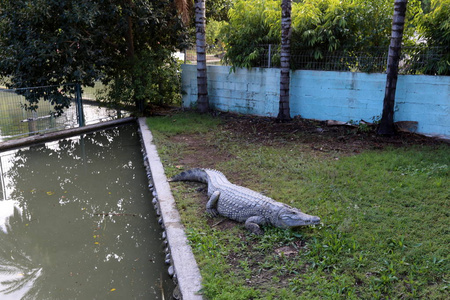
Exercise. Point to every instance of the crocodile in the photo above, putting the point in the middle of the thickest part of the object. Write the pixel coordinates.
(244, 205)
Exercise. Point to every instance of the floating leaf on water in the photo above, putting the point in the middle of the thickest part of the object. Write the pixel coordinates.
(112, 290)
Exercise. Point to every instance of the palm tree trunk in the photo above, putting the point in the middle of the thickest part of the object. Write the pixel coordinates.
(284, 110)
(200, 24)
(183, 8)
(398, 24)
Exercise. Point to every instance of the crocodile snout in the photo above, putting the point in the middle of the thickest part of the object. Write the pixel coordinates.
(314, 220)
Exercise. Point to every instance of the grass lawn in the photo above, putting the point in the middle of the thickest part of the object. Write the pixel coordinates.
(384, 205)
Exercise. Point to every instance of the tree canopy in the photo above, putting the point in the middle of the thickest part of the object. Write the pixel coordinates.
(48, 42)
(322, 28)
(435, 29)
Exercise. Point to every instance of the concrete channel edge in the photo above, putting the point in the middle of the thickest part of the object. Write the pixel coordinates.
(183, 261)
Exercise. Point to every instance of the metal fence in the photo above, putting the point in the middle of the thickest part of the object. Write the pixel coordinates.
(18, 119)
(414, 60)
(354, 61)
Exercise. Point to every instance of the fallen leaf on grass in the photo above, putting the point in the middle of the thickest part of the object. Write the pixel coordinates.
(286, 251)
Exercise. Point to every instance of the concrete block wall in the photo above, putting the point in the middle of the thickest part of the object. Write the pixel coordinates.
(325, 95)
(425, 99)
(341, 96)
(243, 91)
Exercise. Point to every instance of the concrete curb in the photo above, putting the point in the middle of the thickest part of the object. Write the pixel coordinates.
(185, 267)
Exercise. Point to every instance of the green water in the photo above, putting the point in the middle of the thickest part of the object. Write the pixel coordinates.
(76, 222)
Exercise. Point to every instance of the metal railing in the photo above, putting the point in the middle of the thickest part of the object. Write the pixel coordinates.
(22, 115)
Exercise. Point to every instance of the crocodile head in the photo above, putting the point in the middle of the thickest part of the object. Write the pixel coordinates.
(293, 217)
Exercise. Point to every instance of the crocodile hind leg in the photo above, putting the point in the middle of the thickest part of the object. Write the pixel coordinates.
(211, 206)
(253, 223)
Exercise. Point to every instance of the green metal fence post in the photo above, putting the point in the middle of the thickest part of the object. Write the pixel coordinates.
(79, 101)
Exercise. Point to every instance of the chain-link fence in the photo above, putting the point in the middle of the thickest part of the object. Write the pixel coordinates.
(21, 117)
(354, 61)
(414, 60)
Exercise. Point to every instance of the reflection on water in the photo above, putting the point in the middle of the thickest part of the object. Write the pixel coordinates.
(76, 222)
(17, 122)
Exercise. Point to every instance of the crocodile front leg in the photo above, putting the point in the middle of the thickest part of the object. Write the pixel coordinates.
(253, 223)
(211, 206)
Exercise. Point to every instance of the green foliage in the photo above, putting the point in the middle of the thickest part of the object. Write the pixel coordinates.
(426, 5)
(43, 44)
(151, 77)
(251, 24)
(56, 42)
(216, 15)
(322, 24)
(320, 28)
(435, 29)
(205, 242)
(214, 34)
(217, 10)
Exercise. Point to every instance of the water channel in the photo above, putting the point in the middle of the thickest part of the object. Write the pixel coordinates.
(76, 221)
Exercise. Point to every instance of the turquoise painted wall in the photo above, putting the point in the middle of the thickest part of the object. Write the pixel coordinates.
(325, 95)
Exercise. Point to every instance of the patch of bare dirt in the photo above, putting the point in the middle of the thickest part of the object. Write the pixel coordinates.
(196, 147)
(320, 136)
(311, 135)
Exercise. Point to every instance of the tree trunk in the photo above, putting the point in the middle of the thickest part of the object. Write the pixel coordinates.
(129, 39)
(284, 111)
(200, 24)
(398, 22)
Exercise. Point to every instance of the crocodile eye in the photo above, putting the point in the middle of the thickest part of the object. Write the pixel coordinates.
(288, 215)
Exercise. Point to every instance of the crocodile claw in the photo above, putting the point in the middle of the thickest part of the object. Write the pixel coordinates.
(212, 212)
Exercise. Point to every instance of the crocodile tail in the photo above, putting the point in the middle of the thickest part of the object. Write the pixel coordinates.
(196, 174)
